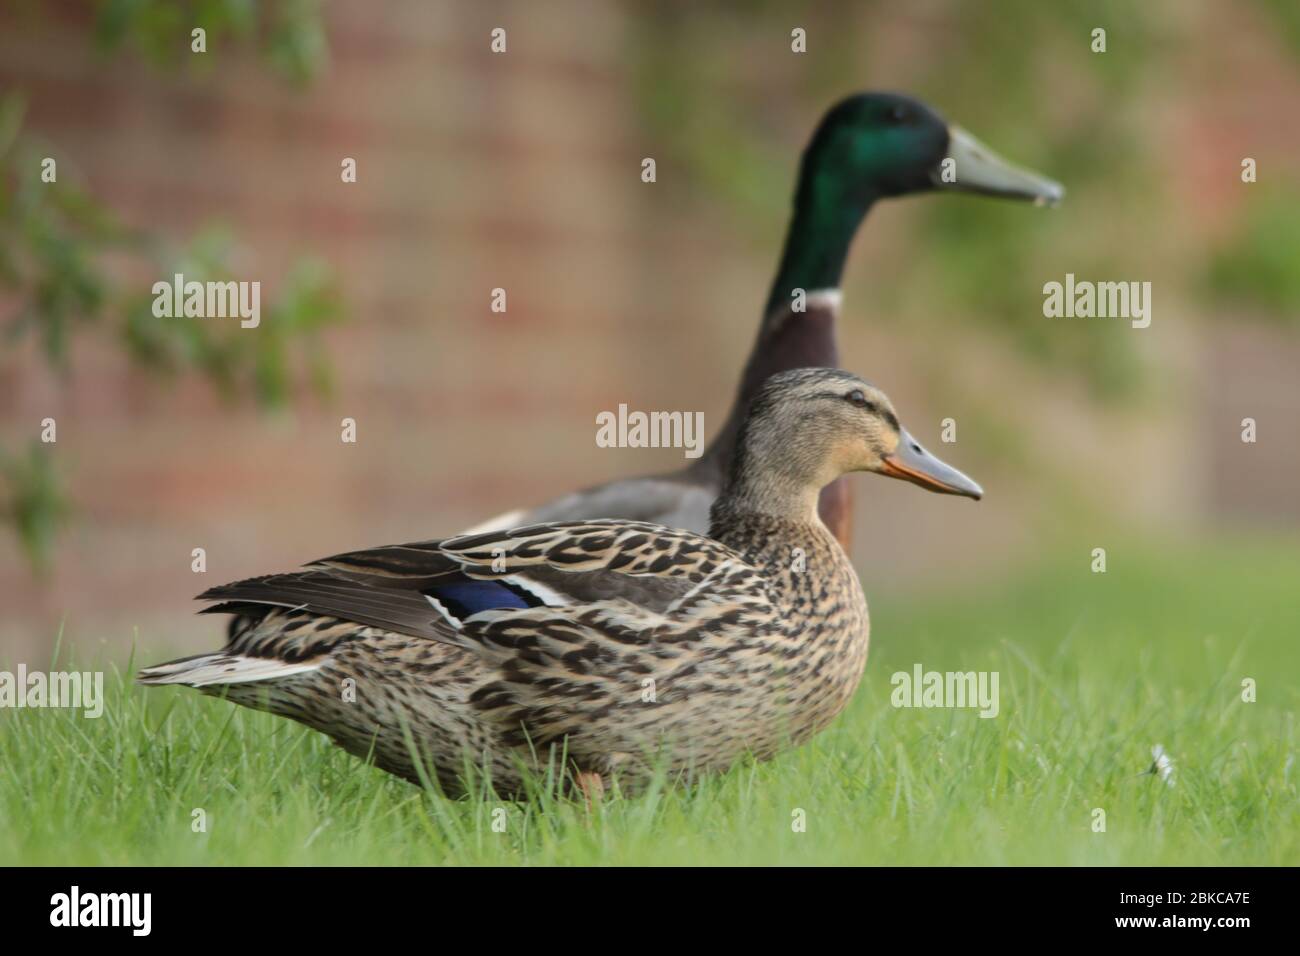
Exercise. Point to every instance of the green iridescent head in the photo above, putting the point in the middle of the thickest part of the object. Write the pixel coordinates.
(873, 146)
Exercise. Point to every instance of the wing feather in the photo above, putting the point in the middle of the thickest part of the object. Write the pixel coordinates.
(633, 566)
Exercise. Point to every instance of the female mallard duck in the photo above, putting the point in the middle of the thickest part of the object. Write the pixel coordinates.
(620, 644)
(868, 147)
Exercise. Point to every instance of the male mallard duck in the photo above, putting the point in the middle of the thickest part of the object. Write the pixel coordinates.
(867, 147)
(613, 642)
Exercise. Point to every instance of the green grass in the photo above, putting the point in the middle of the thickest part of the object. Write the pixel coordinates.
(1094, 670)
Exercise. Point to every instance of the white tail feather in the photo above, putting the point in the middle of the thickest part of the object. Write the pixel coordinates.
(208, 669)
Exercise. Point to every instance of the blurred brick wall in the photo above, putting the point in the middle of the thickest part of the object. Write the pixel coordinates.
(475, 172)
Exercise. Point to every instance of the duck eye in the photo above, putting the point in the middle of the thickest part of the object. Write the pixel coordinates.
(897, 113)
(856, 397)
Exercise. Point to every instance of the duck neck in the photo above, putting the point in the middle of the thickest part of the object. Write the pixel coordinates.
(771, 495)
(783, 494)
(816, 246)
(766, 530)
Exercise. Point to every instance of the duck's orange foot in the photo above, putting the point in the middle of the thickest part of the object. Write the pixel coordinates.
(591, 785)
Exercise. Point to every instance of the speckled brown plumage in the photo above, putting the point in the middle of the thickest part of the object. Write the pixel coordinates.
(622, 645)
